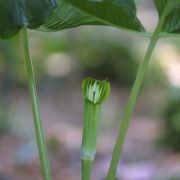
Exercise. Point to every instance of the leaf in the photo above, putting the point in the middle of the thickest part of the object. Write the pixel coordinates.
(119, 13)
(67, 16)
(16, 13)
(172, 9)
(72, 13)
(160, 5)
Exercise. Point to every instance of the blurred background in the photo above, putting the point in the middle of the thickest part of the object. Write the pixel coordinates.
(61, 61)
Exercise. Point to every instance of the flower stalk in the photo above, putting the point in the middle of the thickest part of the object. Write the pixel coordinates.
(95, 92)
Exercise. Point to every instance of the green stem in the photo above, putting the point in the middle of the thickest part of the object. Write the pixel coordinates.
(86, 168)
(88, 147)
(35, 108)
(131, 103)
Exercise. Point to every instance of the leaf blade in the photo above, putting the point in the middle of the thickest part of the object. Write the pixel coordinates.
(67, 16)
(119, 13)
(15, 14)
(172, 9)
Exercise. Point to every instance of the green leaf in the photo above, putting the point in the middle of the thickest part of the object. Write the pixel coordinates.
(17, 13)
(72, 13)
(160, 5)
(172, 10)
(119, 13)
(67, 16)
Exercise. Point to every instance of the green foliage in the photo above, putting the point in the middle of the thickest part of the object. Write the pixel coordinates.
(172, 9)
(121, 13)
(55, 15)
(15, 14)
(67, 16)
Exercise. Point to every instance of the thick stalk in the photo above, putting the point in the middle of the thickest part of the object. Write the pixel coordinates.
(131, 103)
(88, 147)
(35, 108)
(86, 168)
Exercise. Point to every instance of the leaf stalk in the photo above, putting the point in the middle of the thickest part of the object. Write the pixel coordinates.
(131, 102)
(35, 108)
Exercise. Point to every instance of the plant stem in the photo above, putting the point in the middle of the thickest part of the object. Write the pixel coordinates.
(95, 92)
(86, 168)
(88, 147)
(35, 108)
(131, 103)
